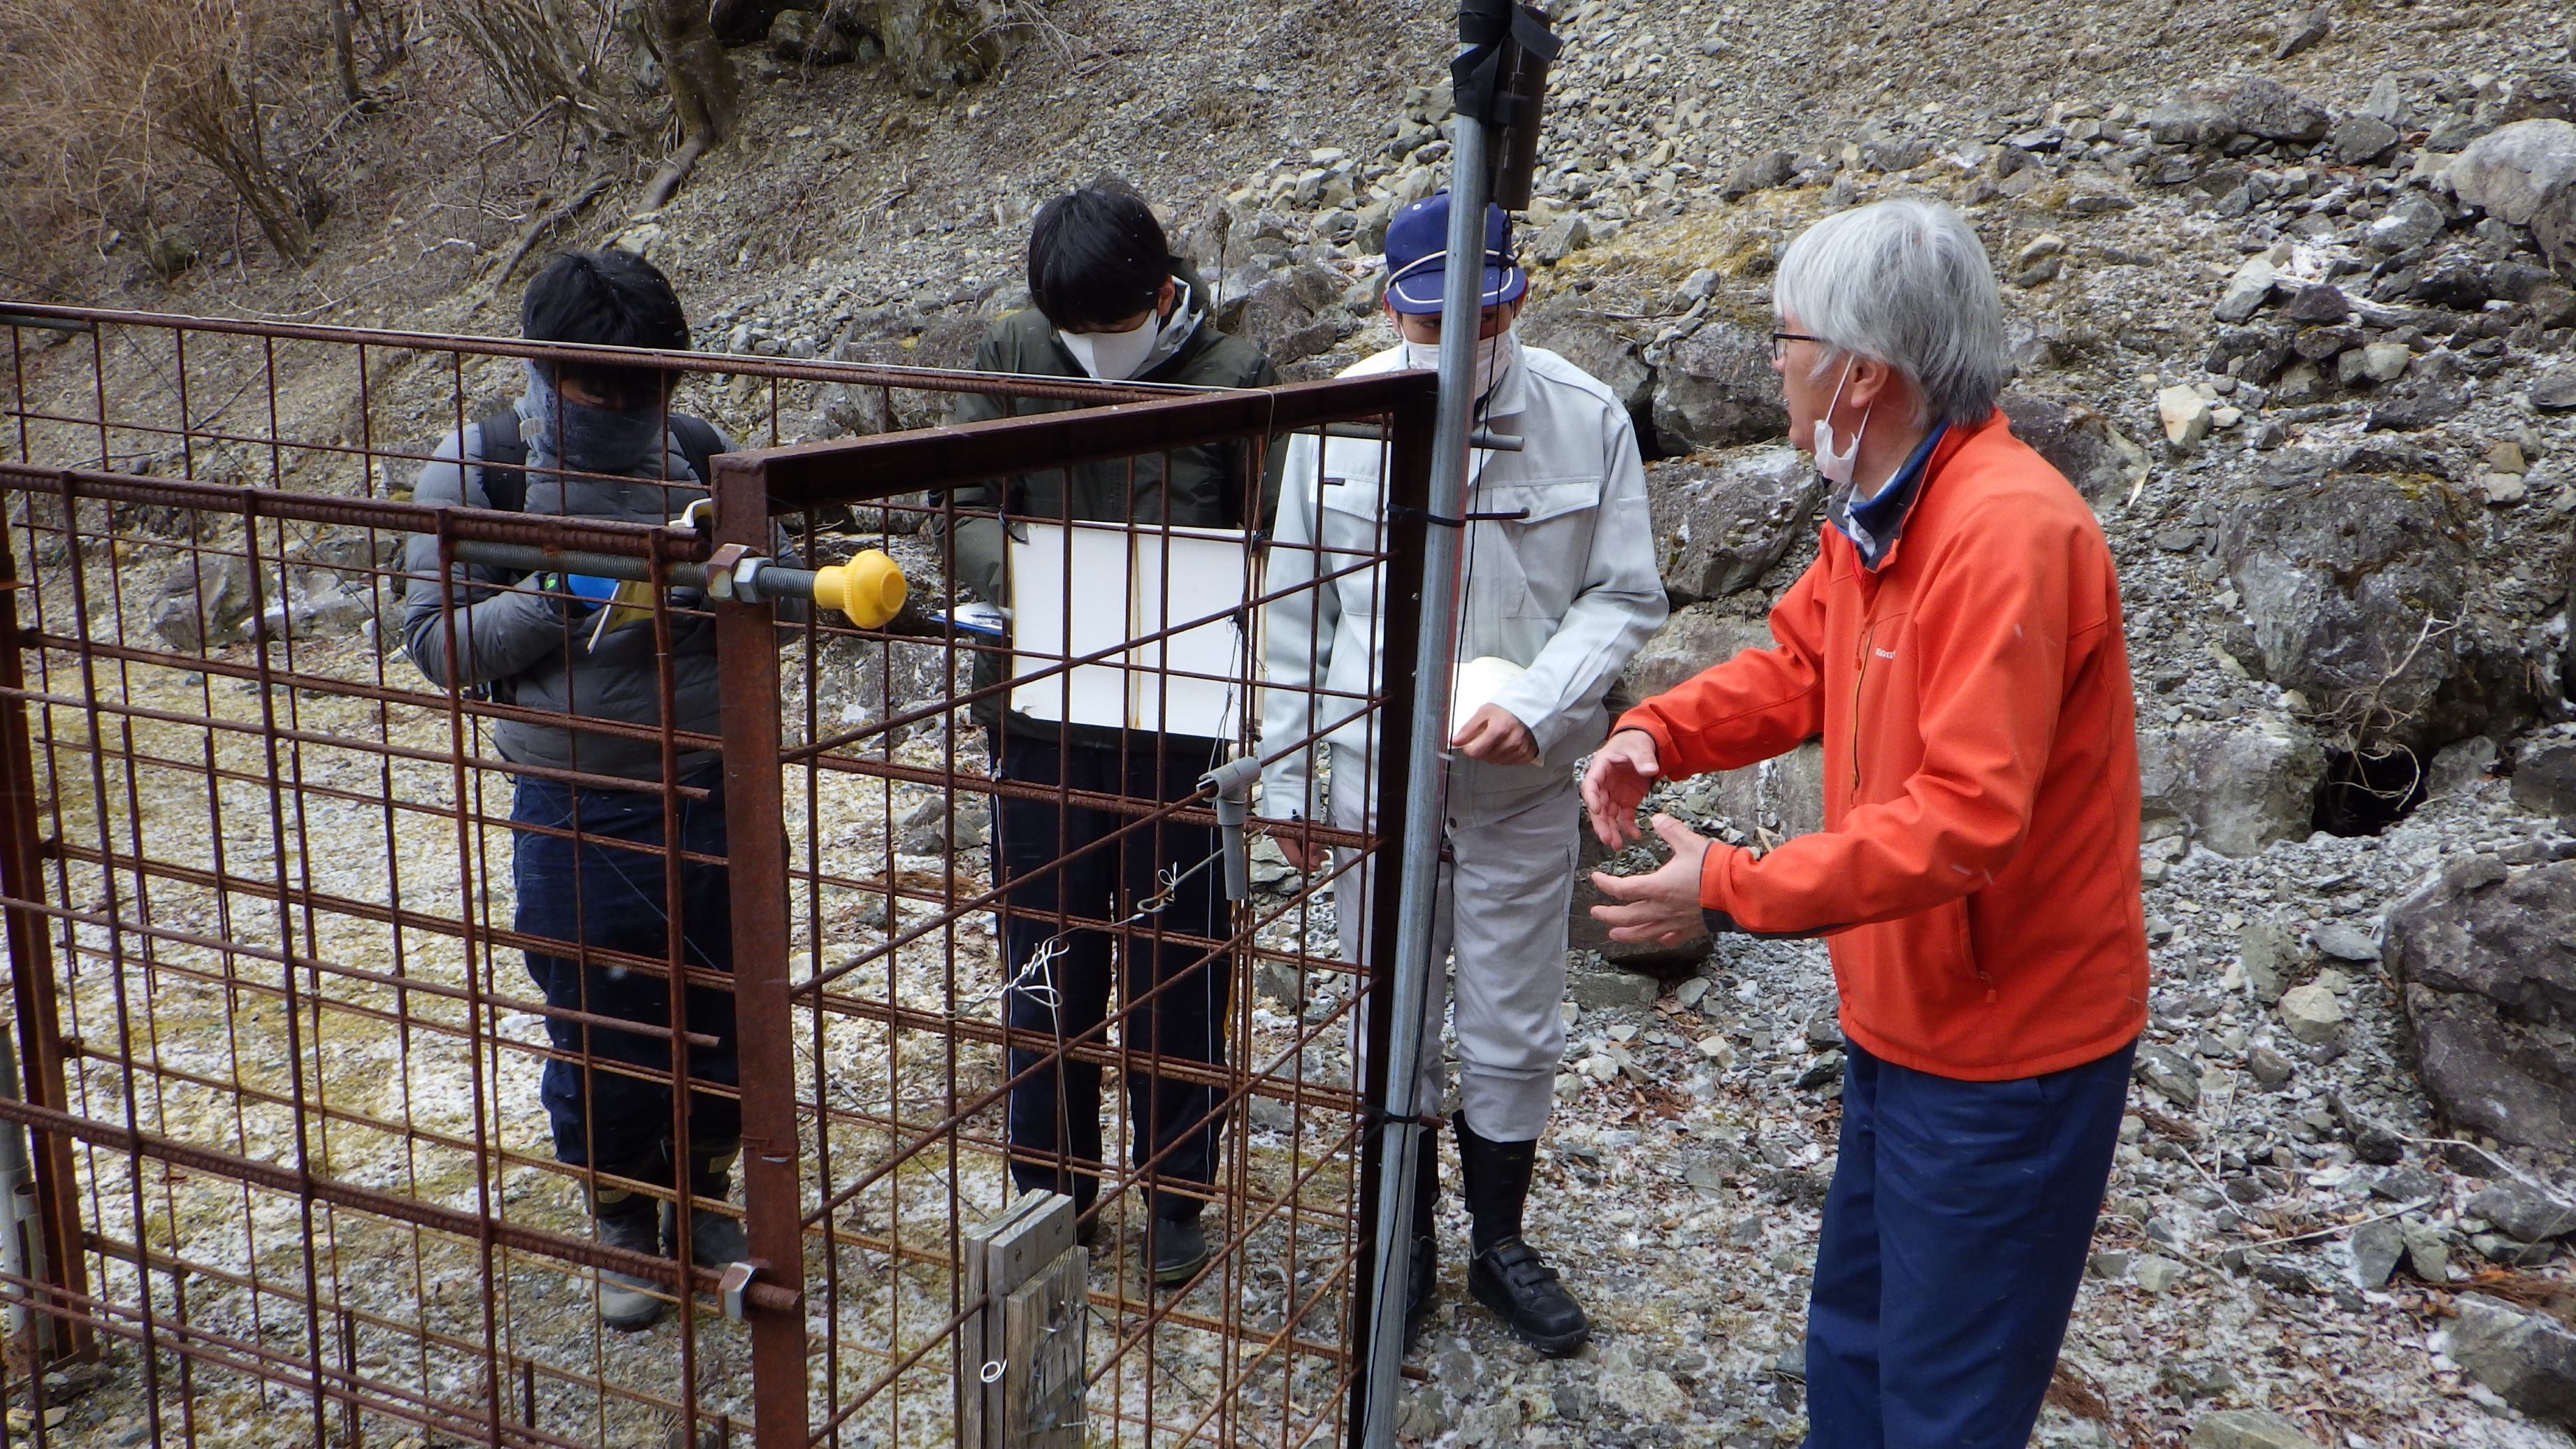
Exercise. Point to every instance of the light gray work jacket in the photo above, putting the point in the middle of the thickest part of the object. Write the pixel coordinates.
(1569, 591)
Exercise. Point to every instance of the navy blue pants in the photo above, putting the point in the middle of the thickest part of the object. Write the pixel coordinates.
(1954, 1237)
(1080, 866)
(595, 893)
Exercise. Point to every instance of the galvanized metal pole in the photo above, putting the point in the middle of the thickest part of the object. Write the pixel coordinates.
(1426, 804)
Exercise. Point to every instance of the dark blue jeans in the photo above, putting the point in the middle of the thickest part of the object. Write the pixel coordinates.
(599, 893)
(1081, 867)
(1954, 1237)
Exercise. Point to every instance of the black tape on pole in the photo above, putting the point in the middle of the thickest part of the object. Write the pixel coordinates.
(1478, 72)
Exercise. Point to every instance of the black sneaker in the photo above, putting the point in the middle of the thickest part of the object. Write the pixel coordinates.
(1514, 1281)
(1179, 1250)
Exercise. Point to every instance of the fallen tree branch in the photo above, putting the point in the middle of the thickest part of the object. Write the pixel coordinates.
(666, 182)
(544, 222)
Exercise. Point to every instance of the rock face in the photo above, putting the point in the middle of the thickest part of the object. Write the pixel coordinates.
(2238, 787)
(2343, 578)
(1587, 340)
(2544, 771)
(2489, 973)
(2529, 1359)
(934, 43)
(1292, 312)
(1720, 526)
(2079, 442)
(1717, 388)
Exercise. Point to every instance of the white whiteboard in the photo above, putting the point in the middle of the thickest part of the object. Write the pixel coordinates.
(1117, 594)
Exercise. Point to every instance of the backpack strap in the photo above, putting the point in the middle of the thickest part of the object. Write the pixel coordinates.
(505, 459)
(699, 443)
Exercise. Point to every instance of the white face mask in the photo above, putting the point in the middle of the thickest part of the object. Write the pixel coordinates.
(1495, 357)
(1839, 467)
(1114, 356)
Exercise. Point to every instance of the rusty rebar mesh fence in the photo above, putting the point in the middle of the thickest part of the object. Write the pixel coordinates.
(286, 879)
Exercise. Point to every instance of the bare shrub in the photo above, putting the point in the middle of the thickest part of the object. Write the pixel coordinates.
(103, 101)
(546, 60)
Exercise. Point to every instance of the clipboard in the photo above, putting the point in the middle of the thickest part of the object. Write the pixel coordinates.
(1124, 582)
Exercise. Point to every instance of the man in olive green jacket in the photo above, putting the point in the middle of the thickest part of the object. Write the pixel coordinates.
(1112, 303)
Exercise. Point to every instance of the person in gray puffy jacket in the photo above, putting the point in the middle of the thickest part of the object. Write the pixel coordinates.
(588, 857)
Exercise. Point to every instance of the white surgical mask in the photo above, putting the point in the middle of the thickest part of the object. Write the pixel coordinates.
(1118, 356)
(1495, 357)
(1113, 356)
(1839, 467)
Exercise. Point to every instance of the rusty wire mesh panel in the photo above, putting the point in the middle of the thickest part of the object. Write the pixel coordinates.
(281, 1046)
(1031, 919)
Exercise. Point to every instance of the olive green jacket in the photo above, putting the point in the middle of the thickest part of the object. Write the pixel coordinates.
(1204, 486)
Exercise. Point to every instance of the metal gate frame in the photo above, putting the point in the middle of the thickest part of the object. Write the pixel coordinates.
(750, 489)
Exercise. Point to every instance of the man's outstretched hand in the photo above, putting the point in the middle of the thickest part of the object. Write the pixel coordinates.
(1621, 773)
(1660, 908)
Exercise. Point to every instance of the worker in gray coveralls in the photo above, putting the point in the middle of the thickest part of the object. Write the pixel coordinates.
(1558, 598)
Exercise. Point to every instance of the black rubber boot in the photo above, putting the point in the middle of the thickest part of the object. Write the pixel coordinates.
(1506, 1274)
(1422, 1283)
(715, 1238)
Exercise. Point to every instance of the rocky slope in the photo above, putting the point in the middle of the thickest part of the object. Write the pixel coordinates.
(2292, 296)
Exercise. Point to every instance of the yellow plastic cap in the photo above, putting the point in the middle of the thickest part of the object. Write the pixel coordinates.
(869, 588)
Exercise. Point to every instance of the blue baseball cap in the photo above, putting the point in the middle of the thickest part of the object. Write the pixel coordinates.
(1417, 257)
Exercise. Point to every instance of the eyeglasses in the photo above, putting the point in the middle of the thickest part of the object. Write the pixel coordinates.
(1780, 342)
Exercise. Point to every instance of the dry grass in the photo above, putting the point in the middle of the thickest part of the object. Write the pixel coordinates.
(106, 104)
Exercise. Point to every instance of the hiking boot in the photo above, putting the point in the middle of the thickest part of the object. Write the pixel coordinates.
(1177, 1249)
(1514, 1281)
(628, 1303)
(715, 1238)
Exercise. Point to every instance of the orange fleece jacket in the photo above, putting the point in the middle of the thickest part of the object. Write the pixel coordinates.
(1978, 869)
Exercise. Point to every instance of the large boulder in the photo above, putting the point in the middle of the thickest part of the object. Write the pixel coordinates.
(2487, 962)
(2079, 442)
(1694, 638)
(2515, 171)
(2528, 1358)
(204, 601)
(2544, 771)
(899, 337)
(2262, 106)
(2237, 787)
(2361, 590)
(1716, 388)
(1720, 525)
(1586, 339)
(2526, 174)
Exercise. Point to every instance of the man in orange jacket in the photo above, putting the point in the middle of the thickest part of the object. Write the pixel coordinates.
(1957, 644)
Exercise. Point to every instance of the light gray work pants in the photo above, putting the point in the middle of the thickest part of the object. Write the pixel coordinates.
(1506, 883)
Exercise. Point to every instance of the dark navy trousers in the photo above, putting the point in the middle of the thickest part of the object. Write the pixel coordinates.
(1955, 1235)
(597, 892)
(1086, 864)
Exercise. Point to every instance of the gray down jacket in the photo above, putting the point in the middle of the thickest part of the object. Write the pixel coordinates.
(531, 647)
